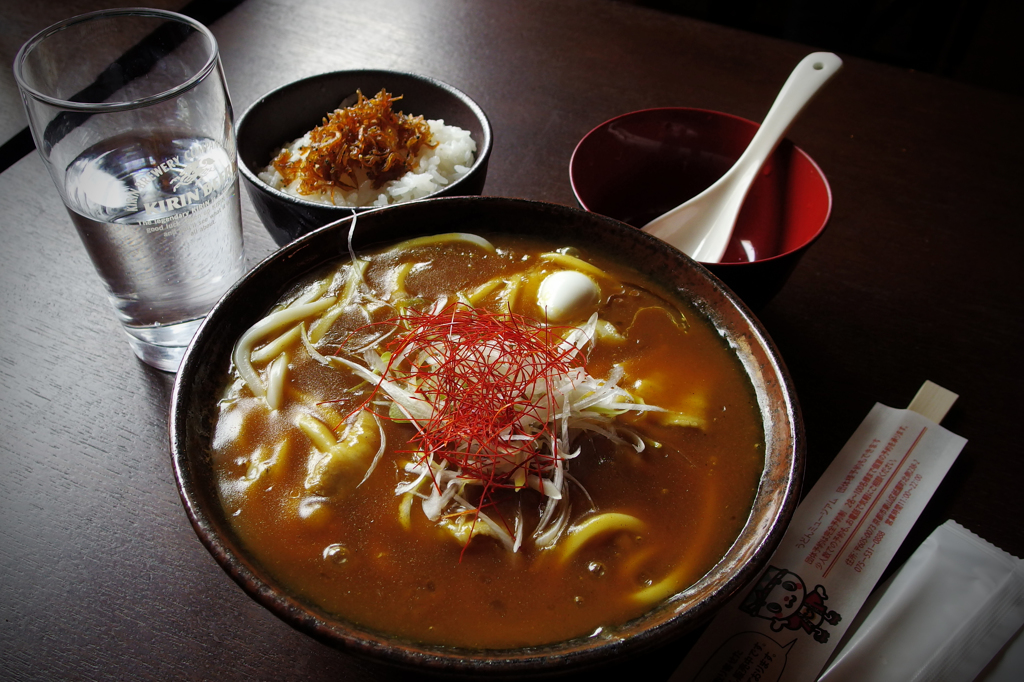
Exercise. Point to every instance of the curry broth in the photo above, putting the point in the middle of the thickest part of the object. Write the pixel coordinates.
(692, 486)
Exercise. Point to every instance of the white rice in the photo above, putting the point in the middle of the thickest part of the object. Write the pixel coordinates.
(435, 168)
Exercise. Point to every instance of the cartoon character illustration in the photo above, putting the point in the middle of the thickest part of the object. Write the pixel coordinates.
(780, 596)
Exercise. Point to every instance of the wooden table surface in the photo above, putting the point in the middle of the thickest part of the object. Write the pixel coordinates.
(917, 277)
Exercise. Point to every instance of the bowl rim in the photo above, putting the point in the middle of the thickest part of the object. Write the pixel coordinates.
(578, 653)
(796, 149)
(481, 157)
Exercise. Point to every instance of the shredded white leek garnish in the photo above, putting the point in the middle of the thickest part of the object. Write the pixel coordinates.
(564, 405)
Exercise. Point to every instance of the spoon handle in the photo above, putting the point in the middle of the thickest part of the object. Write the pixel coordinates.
(803, 84)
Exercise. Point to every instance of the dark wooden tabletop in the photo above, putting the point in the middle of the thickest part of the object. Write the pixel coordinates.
(917, 277)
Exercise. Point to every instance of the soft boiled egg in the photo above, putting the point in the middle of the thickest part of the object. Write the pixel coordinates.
(567, 295)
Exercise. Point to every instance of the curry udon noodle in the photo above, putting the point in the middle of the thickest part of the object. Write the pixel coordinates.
(485, 442)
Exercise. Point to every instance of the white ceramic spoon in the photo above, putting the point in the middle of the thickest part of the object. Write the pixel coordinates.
(702, 226)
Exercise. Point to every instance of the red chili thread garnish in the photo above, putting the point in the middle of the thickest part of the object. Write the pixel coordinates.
(483, 367)
(483, 370)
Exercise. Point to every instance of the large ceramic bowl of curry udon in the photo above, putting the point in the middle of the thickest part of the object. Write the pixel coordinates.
(662, 461)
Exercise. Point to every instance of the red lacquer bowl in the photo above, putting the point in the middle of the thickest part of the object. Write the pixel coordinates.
(639, 165)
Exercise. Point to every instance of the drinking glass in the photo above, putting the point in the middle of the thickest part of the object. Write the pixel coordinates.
(132, 117)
